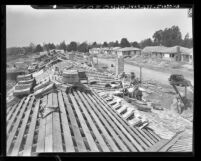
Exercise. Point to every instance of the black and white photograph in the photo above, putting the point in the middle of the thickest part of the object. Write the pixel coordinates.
(99, 80)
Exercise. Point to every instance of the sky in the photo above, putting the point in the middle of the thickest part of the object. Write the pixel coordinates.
(25, 24)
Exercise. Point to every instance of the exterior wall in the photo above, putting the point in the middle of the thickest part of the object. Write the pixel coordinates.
(119, 53)
(167, 56)
(186, 58)
(191, 59)
(138, 52)
(132, 53)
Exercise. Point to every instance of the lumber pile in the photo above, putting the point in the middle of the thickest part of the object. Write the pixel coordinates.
(43, 91)
(24, 85)
(70, 76)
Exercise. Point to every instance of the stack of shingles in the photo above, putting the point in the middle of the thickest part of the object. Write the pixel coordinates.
(45, 87)
(100, 81)
(128, 113)
(70, 76)
(24, 85)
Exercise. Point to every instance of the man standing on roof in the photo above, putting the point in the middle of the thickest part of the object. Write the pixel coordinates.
(133, 80)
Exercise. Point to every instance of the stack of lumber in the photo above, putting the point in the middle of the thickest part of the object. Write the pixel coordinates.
(82, 76)
(41, 85)
(24, 77)
(70, 76)
(24, 85)
(45, 90)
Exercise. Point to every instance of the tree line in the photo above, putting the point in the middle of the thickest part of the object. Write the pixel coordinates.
(168, 37)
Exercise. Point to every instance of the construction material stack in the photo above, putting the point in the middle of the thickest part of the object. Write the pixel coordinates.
(70, 76)
(82, 76)
(25, 84)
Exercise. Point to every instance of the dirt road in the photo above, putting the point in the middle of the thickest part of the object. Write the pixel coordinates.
(147, 74)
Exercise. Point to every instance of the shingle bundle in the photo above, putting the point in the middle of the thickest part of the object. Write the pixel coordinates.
(70, 76)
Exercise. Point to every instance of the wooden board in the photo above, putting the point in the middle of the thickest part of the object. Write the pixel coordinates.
(91, 123)
(19, 138)
(128, 139)
(100, 125)
(10, 113)
(146, 132)
(10, 122)
(69, 147)
(57, 137)
(30, 135)
(91, 142)
(41, 135)
(138, 137)
(117, 139)
(78, 137)
(16, 124)
(49, 127)
(154, 134)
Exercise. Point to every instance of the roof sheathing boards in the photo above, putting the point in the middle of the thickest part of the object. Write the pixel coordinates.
(82, 122)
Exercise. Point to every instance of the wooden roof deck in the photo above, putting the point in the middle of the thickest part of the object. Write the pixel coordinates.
(83, 122)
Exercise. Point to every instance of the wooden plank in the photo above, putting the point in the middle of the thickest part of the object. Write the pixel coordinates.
(16, 124)
(138, 137)
(41, 132)
(154, 134)
(112, 103)
(107, 125)
(66, 130)
(146, 132)
(128, 114)
(11, 112)
(121, 109)
(49, 127)
(139, 132)
(91, 123)
(100, 125)
(118, 126)
(10, 122)
(146, 136)
(30, 135)
(49, 100)
(91, 142)
(55, 100)
(57, 138)
(75, 127)
(19, 138)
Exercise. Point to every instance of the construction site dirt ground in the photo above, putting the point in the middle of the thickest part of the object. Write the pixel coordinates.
(150, 74)
(156, 84)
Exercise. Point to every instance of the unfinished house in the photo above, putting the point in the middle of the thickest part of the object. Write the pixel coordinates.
(129, 51)
(173, 53)
(114, 50)
(187, 56)
(95, 51)
(154, 51)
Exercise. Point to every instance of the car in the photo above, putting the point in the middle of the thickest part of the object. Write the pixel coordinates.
(178, 80)
(127, 56)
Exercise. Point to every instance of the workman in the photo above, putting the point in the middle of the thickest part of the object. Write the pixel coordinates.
(180, 105)
(137, 93)
(133, 80)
